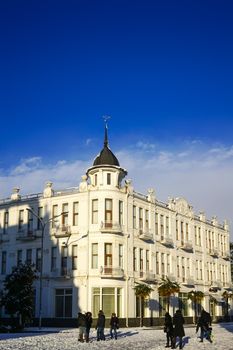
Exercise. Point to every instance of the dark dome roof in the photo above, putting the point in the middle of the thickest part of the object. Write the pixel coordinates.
(106, 157)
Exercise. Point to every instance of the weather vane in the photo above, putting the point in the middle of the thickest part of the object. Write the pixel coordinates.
(106, 118)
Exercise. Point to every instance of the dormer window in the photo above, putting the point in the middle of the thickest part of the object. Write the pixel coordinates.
(108, 179)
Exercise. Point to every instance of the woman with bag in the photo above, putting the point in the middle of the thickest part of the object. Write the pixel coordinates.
(168, 329)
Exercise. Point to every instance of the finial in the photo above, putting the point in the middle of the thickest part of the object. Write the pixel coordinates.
(106, 118)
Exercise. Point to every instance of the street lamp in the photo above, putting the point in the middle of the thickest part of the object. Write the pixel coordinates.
(43, 225)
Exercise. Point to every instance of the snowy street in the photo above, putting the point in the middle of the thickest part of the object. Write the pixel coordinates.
(130, 338)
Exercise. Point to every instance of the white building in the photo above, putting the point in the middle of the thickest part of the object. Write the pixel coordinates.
(108, 238)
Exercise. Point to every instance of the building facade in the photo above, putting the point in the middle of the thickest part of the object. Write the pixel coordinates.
(109, 237)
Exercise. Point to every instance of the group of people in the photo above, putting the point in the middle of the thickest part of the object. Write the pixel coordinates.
(175, 328)
(85, 321)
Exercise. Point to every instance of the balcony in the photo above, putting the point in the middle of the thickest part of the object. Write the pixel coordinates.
(187, 246)
(111, 227)
(167, 241)
(4, 238)
(111, 272)
(189, 282)
(226, 256)
(61, 231)
(59, 273)
(214, 252)
(28, 235)
(145, 234)
(147, 276)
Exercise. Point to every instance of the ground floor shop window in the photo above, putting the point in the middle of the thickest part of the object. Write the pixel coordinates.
(162, 306)
(107, 299)
(183, 303)
(63, 302)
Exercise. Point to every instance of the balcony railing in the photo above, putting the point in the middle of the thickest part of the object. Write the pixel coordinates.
(214, 252)
(226, 256)
(111, 227)
(187, 246)
(145, 234)
(4, 238)
(167, 241)
(61, 231)
(147, 276)
(28, 235)
(64, 272)
(111, 272)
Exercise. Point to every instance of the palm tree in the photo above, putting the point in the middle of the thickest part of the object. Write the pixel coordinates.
(142, 291)
(168, 288)
(196, 297)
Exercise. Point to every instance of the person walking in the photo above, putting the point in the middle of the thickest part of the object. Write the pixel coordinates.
(168, 329)
(204, 323)
(81, 326)
(114, 325)
(178, 323)
(100, 326)
(88, 325)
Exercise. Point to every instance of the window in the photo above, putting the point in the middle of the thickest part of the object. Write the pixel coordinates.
(162, 265)
(121, 255)
(162, 226)
(168, 264)
(108, 179)
(64, 218)
(157, 263)
(187, 231)
(167, 225)
(147, 220)
(108, 212)
(64, 253)
(177, 231)
(140, 218)
(54, 215)
(30, 222)
(120, 212)
(75, 213)
(109, 299)
(29, 256)
(147, 261)
(183, 303)
(63, 302)
(40, 214)
(156, 224)
(3, 267)
(95, 180)
(182, 232)
(74, 257)
(94, 256)
(19, 257)
(6, 222)
(53, 258)
(94, 219)
(134, 217)
(38, 259)
(108, 257)
(141, 259)
(21, 214)
(135, 259)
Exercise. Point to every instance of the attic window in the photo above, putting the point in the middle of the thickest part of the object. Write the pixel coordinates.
(95, 180)
(108, 179)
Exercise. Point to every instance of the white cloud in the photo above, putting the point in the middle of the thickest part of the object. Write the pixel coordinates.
(203, 175)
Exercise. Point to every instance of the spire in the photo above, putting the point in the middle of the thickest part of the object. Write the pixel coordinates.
(106, 117)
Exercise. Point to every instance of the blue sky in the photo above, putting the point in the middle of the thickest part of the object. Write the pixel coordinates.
(162, 69)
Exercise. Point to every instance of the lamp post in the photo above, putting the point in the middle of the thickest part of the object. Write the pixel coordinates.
(43, 225)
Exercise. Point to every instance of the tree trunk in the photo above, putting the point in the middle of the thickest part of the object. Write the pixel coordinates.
(168, 304)
(141, 316)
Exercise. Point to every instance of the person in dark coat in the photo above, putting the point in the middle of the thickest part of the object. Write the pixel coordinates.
(81, 326)
(114, 325)
(168, 329)
(204, 323)
(100, 326)
(178, 323)
(88, 325)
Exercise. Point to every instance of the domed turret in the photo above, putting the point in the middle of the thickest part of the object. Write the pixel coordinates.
(106, 157)
(106, 170)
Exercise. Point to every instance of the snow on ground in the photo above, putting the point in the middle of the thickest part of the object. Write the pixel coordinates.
(128, 339)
